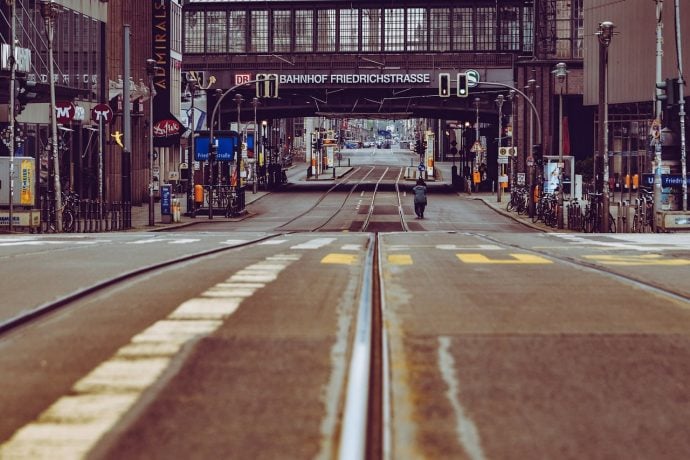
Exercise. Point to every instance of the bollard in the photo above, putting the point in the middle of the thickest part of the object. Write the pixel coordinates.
(333, 172)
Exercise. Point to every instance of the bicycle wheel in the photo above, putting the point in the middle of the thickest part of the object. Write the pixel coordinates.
(68, 220)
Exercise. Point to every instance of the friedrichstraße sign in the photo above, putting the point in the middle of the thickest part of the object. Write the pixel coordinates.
(356, 79)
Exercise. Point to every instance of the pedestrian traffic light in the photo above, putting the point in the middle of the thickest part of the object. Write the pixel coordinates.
(538, 154)
(463, 87)
(24, 92)
(669, 92)
(444, 85)
(267, 85)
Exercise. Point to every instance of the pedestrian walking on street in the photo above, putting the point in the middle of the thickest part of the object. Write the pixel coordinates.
(419, 198)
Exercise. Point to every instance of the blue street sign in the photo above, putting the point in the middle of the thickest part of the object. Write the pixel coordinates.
(225, 151)
(667, 180)
(421, 167)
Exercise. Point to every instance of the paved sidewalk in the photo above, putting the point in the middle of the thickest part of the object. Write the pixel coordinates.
(141, 218)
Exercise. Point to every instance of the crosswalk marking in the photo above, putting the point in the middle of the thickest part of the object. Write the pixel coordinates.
(647, 259)
(341, 259)
(314, 244)
(515, 259)
(400, 259)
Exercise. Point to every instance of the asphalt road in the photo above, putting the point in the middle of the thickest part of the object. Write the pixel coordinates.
(500, 341)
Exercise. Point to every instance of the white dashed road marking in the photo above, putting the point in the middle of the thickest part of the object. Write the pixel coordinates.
(73, 425)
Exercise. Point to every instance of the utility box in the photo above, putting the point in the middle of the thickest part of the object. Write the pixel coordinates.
(24, 182)
(673, 220)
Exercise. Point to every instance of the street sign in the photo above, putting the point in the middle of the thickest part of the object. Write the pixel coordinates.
(102, 112)
(477, 147)
(530, 161)
(421, 167)
(472, 78)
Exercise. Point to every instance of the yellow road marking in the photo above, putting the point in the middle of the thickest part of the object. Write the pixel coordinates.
(516, 259)
(343, 259)
(400, 259)
(647, 259)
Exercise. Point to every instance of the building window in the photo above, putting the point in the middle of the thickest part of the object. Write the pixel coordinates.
(304, 30)
(216, 32)
(485, 29)
(259, 31)
(194, 31)
(394, 34)
(463, 29)
(237, 31)
(281, 31)
(325, 27)
(371, 29)
(579, 26)
(349, 30)
(417, 29)
(509, 28)
(528, 29)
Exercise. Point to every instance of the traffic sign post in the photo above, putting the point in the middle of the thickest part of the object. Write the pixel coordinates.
(102, 113)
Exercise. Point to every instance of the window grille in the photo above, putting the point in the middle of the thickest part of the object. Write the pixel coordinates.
(349, 30)
(281, 31)
(259, 31)
(216, 32)
(304, 30)
(394, 35)
(325, 30)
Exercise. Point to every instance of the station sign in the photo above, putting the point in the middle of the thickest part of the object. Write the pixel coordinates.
(667, 180)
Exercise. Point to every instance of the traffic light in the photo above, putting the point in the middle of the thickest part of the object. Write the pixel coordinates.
(444, 85)
(463, 88)
(272, 85)
(261, 85)
(538, 154)
(25, 92)
(267, 85)
(669, 92)
(419, 147)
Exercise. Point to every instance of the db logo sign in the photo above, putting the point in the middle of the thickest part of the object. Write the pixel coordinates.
(242, 78)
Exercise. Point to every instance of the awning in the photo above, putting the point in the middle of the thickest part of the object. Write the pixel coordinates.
(167, 130)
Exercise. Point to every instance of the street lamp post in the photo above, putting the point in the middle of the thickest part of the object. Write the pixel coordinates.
(238, 100)
(499, 102)
(150, 71)
(193, 84)
(605, 34)
(561, 74)
(475, 161)
(12, 104)
(49, 11)
(531, 87)
(255, 103)
(513, 178)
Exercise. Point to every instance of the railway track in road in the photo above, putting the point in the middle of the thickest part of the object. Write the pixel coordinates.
(362, 391)
(334, 212)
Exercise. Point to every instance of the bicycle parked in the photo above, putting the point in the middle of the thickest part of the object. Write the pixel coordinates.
(643, 219)
(518, 200)
(591, 220)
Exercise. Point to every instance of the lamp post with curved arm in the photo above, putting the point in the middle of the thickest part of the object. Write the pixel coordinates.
(49, 11)
(211, 146)
(605, 34)
(561, 74)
